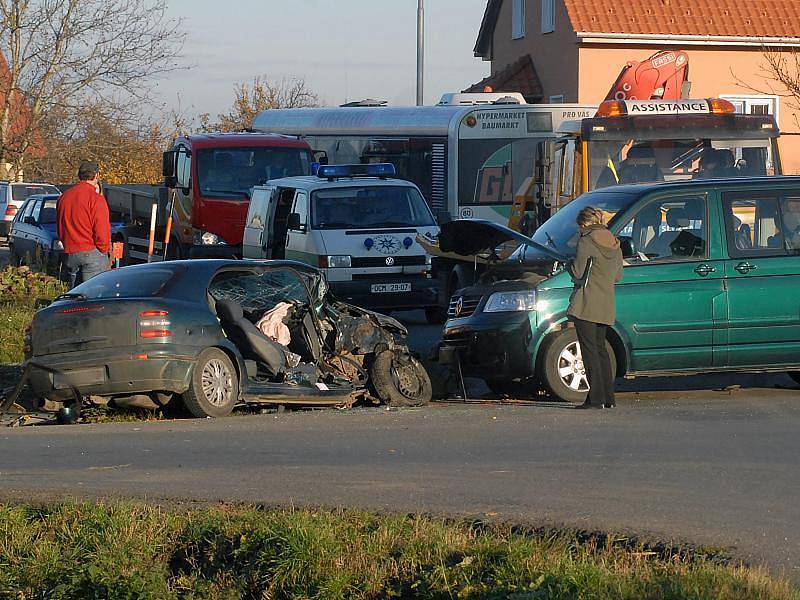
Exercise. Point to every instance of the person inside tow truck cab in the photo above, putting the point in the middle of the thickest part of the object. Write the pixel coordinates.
(716, 163)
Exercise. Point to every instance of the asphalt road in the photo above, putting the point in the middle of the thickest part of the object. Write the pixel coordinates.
(680, 459)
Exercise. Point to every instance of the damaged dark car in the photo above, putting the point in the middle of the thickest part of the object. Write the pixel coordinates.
(216, 334)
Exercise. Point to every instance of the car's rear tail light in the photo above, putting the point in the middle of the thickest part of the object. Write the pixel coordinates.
(11, 210)
(154, 324)
(155, 333)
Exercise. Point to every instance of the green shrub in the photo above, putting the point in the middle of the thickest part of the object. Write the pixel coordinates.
(20, 288)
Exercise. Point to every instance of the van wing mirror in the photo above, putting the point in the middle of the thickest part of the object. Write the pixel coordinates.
(627, 246)
(293, 221)
(321, 156)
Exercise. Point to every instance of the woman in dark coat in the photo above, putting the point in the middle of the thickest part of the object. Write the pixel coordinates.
(595, 270)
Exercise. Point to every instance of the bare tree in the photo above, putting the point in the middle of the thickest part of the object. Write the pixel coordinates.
(65, 55)
(261, 95)
(780, 73)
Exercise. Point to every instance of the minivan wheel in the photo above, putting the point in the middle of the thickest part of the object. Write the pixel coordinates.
(214, 388)
(400, 379)
(562, 369)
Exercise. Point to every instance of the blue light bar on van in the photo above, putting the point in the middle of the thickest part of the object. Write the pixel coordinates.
(371, 170)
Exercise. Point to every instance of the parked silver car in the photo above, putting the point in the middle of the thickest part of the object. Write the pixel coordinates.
(12, 196)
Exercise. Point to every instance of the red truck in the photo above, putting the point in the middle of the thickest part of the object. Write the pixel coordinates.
(206, 192)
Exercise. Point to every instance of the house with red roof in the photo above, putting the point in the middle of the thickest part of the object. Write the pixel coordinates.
(573, 50)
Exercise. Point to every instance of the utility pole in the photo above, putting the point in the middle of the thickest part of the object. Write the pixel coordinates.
(420, 49)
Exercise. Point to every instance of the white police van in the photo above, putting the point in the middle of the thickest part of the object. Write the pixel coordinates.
(359, 225)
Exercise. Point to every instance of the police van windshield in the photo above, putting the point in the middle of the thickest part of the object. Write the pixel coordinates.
(231, 172)
(614, 162)
(369, 207)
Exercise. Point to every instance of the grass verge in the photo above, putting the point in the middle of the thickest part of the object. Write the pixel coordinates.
(128, 550)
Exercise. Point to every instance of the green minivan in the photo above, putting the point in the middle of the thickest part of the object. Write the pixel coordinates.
(711, 283)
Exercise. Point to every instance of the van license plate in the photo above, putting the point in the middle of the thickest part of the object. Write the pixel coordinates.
(389, 288)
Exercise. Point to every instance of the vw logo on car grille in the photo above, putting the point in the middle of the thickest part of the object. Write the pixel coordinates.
(389, 261)
(459, 306)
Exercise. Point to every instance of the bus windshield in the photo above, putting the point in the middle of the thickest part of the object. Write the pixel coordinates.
(231, 172)
(367, 207)
(491, 170)
(614, 162)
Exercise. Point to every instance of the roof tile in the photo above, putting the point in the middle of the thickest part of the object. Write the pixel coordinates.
(745, 18)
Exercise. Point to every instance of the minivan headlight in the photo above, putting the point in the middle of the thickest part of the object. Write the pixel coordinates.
(511, 301)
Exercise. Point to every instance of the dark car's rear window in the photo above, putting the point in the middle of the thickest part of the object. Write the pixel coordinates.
(127, 283)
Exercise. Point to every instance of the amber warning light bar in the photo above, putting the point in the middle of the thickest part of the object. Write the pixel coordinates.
(625, 108)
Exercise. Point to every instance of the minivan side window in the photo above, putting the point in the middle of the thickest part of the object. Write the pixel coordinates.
(669, 229)
(752, 224)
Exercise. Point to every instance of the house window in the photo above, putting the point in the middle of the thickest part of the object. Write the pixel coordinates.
(548, 16)
(751, 104)
(517, 19)
(559, 99)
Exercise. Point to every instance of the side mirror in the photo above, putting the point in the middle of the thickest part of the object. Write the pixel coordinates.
(293, 222)
(30, 220)
(169, 168)
(321, 156)
(627, 247)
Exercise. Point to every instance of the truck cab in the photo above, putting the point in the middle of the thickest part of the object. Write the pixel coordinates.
(357, 223)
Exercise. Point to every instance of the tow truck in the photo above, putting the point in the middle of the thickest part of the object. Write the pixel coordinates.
(645, 131)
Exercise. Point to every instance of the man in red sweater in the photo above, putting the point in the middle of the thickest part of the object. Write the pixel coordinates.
(84, 226)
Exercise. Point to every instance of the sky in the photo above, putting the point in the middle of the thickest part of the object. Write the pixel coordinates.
(345, 50)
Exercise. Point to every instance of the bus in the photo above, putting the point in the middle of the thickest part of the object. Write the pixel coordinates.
(469, 155)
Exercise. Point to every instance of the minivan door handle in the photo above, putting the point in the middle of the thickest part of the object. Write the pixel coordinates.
(704, 270)
(745, 267)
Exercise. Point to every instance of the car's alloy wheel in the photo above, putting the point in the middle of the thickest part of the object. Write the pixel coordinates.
(571, 369)
(561, 368)
(217, 382)
(214, 388)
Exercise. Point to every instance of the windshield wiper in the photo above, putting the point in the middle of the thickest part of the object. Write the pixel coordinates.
(71, 296)
(227, 193)
(550, 240)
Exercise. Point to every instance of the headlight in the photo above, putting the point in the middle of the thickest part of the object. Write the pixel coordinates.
(337, 262)
(57, 245)
(206, 238)
(511, 301)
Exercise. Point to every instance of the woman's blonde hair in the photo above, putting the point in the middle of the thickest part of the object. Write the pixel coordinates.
(590, 216)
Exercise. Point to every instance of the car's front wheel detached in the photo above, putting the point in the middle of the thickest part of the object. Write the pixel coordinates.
(562, 369)
(400, 379)
(214, 389)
